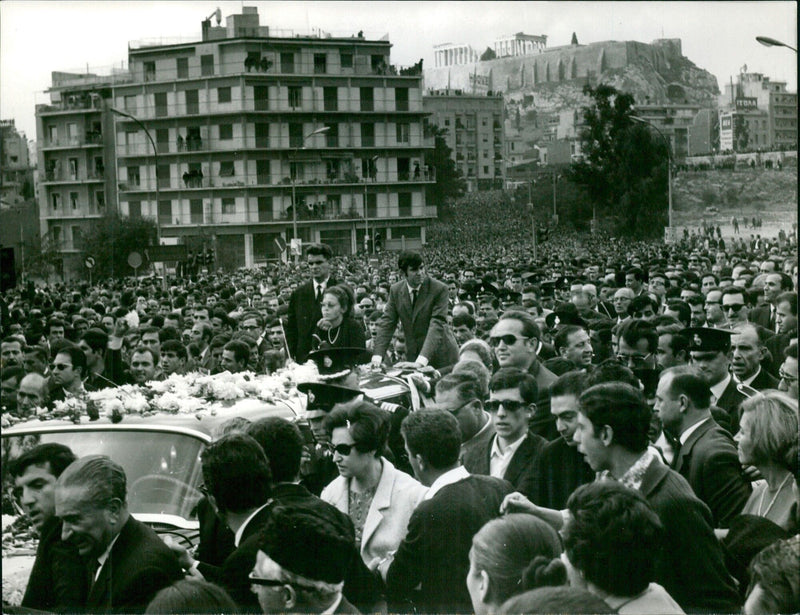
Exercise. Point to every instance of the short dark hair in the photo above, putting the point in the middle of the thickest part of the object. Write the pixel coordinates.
(791, 299)
(96, 339)
(685, 381)
(241, 352)
(637, 328)
(638, 274)
(612, 537)
(76, 355)
(561, 338)
(146, 349)
(102, 478)
(320, 249)
(236, 473)
(611, 370)
(735, 290)
(571, 383)
(683, 310)
(175, 346)
(53, 453)
(408, 259)
(678, 342)
(559, 599)
(191, 596)
(775, 571)
(467, 384)
(529, 327)
(464, 319)
(638, 304)
(368, 426)
(515, 378)
(434, 435)
(282, 443)
(623, 408)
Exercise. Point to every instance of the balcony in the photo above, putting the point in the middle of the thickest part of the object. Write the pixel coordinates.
(91, 138)
(62, 176)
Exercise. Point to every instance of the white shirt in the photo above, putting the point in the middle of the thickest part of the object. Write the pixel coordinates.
(105, 555)
(689, 431)
(751, 378)
(448, 478)
(319, 287)
(718, 389)
(332, 608)
(499, 459)
(237, 537)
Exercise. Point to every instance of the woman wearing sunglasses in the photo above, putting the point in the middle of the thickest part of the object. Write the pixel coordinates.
(377, 497)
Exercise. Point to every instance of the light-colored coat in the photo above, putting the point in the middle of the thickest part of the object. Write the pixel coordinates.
(396, 497)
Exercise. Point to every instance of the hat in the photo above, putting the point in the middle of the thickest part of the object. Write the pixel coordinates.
(334, 363)
(705, 339)
(510, 296)
(564, 314)
(318, 547)
(322, 397)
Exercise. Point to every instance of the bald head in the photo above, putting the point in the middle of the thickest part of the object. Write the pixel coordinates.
(31, 394)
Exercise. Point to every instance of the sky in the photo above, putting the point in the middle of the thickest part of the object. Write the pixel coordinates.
(37, 37)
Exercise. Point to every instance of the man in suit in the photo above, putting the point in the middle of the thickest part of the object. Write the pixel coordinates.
(747, 354)
(126, 562)
(513, 451)
(419, 303)
(706, 454)
(434, 555)
(58, 578)
(300, 562)
(766, 315)
(304, 303)
(460, 394)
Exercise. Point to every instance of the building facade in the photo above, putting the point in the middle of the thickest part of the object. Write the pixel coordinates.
(475, 133)
(449, 54)
(520, 44)
(256, 136)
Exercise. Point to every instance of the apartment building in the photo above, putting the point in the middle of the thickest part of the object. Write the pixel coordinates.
(474, 132)
(250, 134)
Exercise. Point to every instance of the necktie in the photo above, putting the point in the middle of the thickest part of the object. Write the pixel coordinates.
(414, 297)
(91, 571)
(319, 293)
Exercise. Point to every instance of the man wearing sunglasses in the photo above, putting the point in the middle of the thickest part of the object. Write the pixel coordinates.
(734, 305)
(66, 373)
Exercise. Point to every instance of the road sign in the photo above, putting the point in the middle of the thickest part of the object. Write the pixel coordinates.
(297, 247)
(280, 244)
(135, 260)
(89, 262)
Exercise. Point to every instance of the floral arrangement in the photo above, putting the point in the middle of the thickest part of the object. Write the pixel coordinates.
(193, 393)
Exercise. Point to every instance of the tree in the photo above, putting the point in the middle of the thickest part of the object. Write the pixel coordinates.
(624, 165)
(489, 54)
(449, 182)
(44, 262)
(113, 238)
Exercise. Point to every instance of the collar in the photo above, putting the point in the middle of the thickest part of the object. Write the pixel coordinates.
(690, 430)
(448, 478)
(412, 289)
(237, 537)
(322, 284)
(104, 556)
(635, 474)
(510, 449)
(718, 389)
(486, 426)
(749, 380)
(332, 608)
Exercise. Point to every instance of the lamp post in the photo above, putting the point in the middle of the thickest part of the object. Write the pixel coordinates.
(771, 42)
(291, 176)
(669, 165)
(366, 210)
(155, 158)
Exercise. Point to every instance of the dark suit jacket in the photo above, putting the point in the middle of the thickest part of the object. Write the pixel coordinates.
(215, 543)
(730, 400)
(543, 422)
(304, 312)
(520, 471)
(424, 325)
(691, 566)
(239, 564)
(435, 553)
(764, 380)
(58, 577)
(560, 469)
(762, 316)
(139, 565)
(776, 345)
(710, 463)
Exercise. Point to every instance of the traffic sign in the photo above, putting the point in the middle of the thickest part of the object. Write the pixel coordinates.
(89, 262)
(297, 246)
(135, 260)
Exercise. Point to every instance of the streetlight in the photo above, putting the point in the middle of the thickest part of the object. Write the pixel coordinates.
(366, 210)
(771, 42)
(155, 157)
(669, 165)
(291, 176)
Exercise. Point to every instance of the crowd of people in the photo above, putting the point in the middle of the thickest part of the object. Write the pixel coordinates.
(612, 428)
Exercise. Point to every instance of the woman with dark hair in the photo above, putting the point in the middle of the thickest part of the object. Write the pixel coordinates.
(611, 542)
(338, 328)
(510, 555)
(378, 498)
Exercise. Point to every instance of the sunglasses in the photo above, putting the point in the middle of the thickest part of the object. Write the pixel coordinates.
(343, 449)
(493, 405)
(60, 366)
(734, 307)
(457, 410)
(509, 339)
(265, 582)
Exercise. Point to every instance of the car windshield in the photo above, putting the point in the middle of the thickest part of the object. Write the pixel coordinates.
(162, 469)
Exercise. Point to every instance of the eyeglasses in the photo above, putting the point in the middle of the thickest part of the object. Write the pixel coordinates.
(510, 405)
(633, 359)
(735, 307)
(265, 582)
(343, 449)
(784, 376)
(509, 339)
(60, 366)
(457, 410)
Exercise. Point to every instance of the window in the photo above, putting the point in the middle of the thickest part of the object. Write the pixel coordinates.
(367, 100)
(133, 176)
(403, 169)
(368, 168)
(192, 102)
(262, 134)
(52, 132)
(224, 95)
(485, 170)
(226, 168)
(207, 65)
(404, 204)
(228, 206)
(135, 209)
(55, 200)
(333, 205)
(401, 99)
(162, 140)
(320, 63)
(332, 136)
(162, 175)
(295, 135)
(263, 171)
(56, 232)
(402, 131)
(330, 97)
(295, 96)
(149, 71)
(100, 199)
(261, 97)
(183, 68)
(368, 134)
(196, 211)
(73, 200)
(160, 99)
(484, 122)
(130, 104)
(378, 64)
(165, 212)
(264, 208)
(287, 62)
(346, 60)
(332, 169)
(73, 169)
(372, 205)
(447, 121)
(225, 132)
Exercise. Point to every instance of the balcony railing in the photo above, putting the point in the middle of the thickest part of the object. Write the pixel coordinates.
(91, 138)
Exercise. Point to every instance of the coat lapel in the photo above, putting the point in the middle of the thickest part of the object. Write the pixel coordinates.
(381, 501)
(686, 449)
